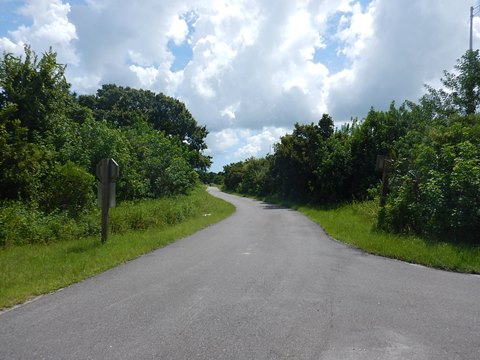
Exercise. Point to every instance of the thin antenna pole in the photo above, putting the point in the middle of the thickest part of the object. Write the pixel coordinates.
(474, 10)
(471, 28)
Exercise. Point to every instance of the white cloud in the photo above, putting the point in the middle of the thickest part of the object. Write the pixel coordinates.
(89, 82)
(146, 75)
(178, 30)
(223, 140)
(259, 143)
(257, 67)
(356, 29)
(232, 145)
(404, 46)
(50, 28)
(9, 46)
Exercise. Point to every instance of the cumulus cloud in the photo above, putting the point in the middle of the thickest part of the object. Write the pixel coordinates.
(401, 46)
(259, 143)
(232, 145)
(253, 68)
(50, 28)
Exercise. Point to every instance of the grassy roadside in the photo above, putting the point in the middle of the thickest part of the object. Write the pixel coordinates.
(354, 224)
(31, 270)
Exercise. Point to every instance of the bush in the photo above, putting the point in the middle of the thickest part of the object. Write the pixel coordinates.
(435, 192)
(68, 188)
(178, 178)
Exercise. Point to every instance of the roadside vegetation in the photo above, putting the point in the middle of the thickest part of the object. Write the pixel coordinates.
(50, 143)
(137, 228)
(432, 196)
(354, 224)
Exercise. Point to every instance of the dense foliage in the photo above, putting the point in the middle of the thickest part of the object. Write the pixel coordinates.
(434, 172)
(52, 139)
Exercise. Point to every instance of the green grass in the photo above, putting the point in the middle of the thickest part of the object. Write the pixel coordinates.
(354, 224)
(30, 270)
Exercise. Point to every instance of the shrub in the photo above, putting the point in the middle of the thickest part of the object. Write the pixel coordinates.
(434, 192)
(68, 188)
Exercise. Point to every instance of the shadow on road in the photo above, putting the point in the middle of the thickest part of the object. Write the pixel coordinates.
(266, 206)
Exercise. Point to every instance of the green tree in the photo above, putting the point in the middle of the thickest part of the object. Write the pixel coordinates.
(434, 190)
(233, 175)
(23, 165)
(376, 135)
(33, 99)
(326, 126)
(333, 171)
(295, 161)
(461, 90)
(120, 105)
(37, 89)
(125, 106)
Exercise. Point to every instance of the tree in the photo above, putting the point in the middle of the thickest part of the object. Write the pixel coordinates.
(295, 161)
(334, 170)
(435, 188)
(35, 88)
(125, 106)
(33, 99)
(326, 126)
(461, 91)
(22, 164)
(233, 176)
(375, 135)
(119, 105)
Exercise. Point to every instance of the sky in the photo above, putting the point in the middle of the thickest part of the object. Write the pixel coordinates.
(250, 69)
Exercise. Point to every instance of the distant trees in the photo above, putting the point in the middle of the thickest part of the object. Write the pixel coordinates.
(248, 177)
(51, 139)
(435, 151)
(317, 164)
(125, 107)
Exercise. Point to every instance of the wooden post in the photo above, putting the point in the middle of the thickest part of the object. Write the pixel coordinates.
(107, 172)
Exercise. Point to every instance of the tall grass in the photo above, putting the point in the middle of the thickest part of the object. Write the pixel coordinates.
(355, 224)
(22, 224)
(34, 269)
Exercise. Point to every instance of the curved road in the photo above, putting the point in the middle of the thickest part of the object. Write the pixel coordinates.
(266, 283)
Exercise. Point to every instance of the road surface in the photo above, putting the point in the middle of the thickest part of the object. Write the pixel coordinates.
(266, 283)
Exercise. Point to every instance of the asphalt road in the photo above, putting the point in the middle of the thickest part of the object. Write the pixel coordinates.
(266, 283)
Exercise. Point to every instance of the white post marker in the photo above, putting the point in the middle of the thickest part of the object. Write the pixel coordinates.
(107, 172)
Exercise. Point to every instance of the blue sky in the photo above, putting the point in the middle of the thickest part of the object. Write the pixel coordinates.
(246, 69)
(9, 18)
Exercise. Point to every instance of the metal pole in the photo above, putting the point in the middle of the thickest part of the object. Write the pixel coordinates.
(474, 11)
(471, 28)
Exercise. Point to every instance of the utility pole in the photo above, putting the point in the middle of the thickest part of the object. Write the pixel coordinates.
(474, 10)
